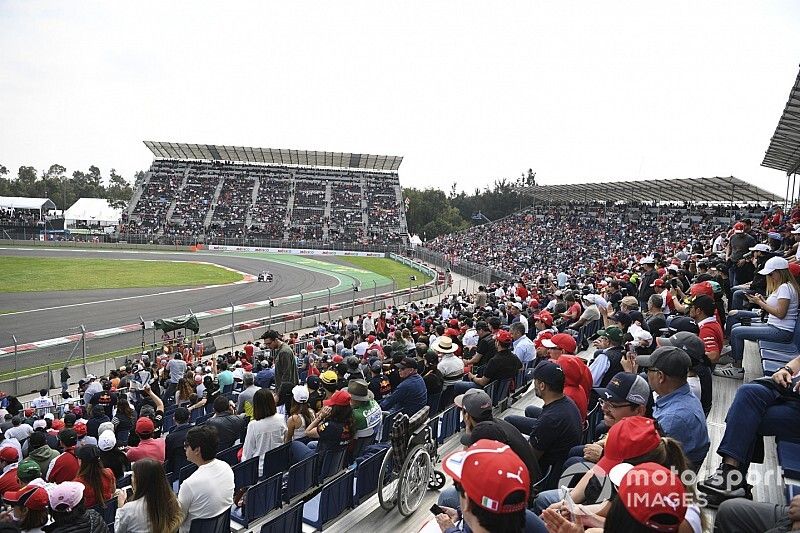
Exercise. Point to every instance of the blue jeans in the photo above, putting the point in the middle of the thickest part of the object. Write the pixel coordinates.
(463, 386)
(737, 300)
(757, 410)
(763, 332)
(732, 320)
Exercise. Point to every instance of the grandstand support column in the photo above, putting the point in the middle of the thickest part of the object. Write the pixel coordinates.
(233, 334)
(786, 201)
(16, 360)
(302, 311)
(83, 348)
(394, 288)
(329, 304)
(374, 294)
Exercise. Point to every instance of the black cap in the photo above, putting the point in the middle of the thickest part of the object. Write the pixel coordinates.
(625, 387)
(621, 317)
(549, 372)
(313, 382)
(407, 362)
(684, 323)
(87, 452)
(671, 361)
(686, 341)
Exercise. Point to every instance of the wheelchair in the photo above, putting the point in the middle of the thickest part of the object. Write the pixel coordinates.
(407, 469)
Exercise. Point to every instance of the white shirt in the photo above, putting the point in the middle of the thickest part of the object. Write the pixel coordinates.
(206, 493)
(367, 325)
(470, 337)
(524, 349)
(262, 436)
(132, 518)
(360, 348)
(42, 402)
(784, 292)
(445, 313)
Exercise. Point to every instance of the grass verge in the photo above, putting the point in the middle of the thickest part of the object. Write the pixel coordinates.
(38, 274)
(390, 269)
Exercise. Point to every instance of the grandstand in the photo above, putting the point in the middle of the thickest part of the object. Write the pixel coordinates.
(238, 195)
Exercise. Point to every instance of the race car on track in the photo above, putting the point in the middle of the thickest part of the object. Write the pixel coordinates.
(265, 275)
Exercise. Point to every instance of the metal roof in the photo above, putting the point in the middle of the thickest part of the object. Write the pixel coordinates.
(20, 202)
(273, 156)
(668, 190)
(784, 147)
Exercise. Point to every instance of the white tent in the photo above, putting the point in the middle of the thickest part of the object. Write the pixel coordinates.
(34, 204)
(415, 240)
(91, 212)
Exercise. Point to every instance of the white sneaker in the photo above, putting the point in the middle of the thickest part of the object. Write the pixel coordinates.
(729, 371)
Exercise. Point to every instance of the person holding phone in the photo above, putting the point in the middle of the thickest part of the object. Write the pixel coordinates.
(149, 505)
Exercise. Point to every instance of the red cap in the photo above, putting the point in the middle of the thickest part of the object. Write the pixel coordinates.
(144, 426)
(490, 472)
(545, 317)
(416, 322)
(340, 397)
(32, 497)
(541, 337)
(57, 424)
(80, 429)
(651, 493)
(534, 304)
(9, 454)
(503, 337)
(29, 411)
(703, 287)
(630, 437)
(452, 333)
(794, 268)
(453, 323)
(371, 339)
(337, 358)
(658, 283)
(738, 227)
(563, 341)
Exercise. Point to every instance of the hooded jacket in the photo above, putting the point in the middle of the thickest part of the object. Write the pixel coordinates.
(577, 381)
(43, 455)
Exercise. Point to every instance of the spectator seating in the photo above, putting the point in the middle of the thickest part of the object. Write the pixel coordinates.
(274, 461)
(289, 521)
(335, 497)
(259, 500)
(301, 477)
(218, 524)
(366, 479)
(245, 474)
(789, 458)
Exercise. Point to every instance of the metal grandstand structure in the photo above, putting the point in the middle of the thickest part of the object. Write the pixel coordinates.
(273, 156)
(717, 189)
(783, 152)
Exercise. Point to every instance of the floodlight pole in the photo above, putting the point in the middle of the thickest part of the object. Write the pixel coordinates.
(83, 347)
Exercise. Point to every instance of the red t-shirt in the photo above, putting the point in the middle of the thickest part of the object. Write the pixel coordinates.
(109, 484)
(711, 335)
(148, 449)
(8, 481)
(248, 349)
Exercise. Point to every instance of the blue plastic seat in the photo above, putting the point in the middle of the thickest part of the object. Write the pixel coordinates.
(774, 355)
(276, 461)
(301, 477)
(331, 462)
(290, 521)
(169, 422)
(335, 498)
(433, 402)
(108, 512)
(791, 491)
(449, 423)
(218, 524)
(259, 500)
(245, 474)
(185, 472)
(387, 426)
(359, 446)
(367, 477)
(124, 481)
(230, 455)
(784, 346)
(770, 367)
(500, 392)
(789, 458)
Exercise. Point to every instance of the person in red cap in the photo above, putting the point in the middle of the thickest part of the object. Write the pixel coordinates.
(332, 427)
(9, 456)
(504, 365)
(493, 485)
(561, 348)
(65, 466)
(148, 446)
(28, 507)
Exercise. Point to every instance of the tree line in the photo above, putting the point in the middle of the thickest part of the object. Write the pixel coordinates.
(63, 189)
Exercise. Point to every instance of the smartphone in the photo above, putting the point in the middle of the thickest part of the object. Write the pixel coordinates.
(569, 502)
(129, 492)
(436, 510)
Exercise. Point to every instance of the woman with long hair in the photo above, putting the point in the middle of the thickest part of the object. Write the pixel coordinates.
(99, 481)
(300, 415)
(333, 426)
(781, 307)
(184, 391)
(153, 507)
(267, 429)
(123, 420)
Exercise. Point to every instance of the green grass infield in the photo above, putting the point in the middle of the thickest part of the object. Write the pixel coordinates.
(40, 274)
(391, 269)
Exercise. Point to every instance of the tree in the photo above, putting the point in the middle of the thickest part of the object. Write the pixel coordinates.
(26, 182)
(119, 191)
(431, 214)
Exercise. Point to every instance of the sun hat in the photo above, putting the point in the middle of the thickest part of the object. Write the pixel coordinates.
(653, 495)
(773, 264)
(359, 390)
(65, 496)
(490, 472)
(631, 437)
(444, 344)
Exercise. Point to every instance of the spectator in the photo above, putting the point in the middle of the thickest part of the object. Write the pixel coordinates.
(230, 427)
(111, 456)
(677, 411)
(68, 510)
(411, 394)
(300, 415)
(607, 363)
(123, 421)
(65, 466)
(699, 378)
(224, 377)
(434, 381)
(504, 365)
(450, 366)
(781, 306)
(244, 403)
(28, 508)
(523, 347)
(285, 366)
(64, 377)
(367, 415)
(9, 458)
(98, 417)
(332, 427)
(267, 429)
(148, 446)
(105, 398)
(266, 376)
(175, 456)
(208, 492)
(43, 403)
(99, 482)
(486, 347)
(742, 515)
(39, 451)
(153, 507)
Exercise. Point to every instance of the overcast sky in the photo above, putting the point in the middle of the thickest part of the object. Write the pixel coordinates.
(467, 92)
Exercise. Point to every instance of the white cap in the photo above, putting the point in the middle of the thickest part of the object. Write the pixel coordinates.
(761, 247)
(674, 268)
(773, 264)
(107, 440)
(39, 424)
(49, 416)
(647, 260)
(300, 393)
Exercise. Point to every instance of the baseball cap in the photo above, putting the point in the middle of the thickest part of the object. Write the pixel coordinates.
(563, 341)
(107, 440)
(371, 338)
(144, 426)
(686, 341)
(503, 337)
(684, 323)
(68, 437)
(313, 382)
(545, 317)
(87, 452)
(377, 367)
(549, 372)
(337, 359)
(761, 247)
(633, 436)
(612, 332)
(32, 497)
(407, 362)
(738, 227)
(670, 360)
(65, 496)
(28, 470)
(39, 424)
(80, 429)
(329, 377)
(621, 317)
(649, 260)
(773, 264)
(657, 283)
(652, 494)
(547, 334)
(490, 472)
(300, 393)
(359, 390)
(9, 454)
(476, 403)
(625, 387)
(340, 397)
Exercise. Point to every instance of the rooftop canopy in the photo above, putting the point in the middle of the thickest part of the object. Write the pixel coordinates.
(19, 202)
(272, 156)
(93, 209)
(784, 147)
(718, 189)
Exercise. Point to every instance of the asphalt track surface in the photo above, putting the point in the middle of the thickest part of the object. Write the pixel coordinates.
(38, 316)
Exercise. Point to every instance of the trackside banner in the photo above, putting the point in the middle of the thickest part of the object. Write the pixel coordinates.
(293, 251)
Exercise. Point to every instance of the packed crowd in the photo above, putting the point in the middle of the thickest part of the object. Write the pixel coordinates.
(191, 186)
(19, 217)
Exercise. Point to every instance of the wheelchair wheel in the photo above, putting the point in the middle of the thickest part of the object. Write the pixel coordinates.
(387, 483)
(414, 478)
(437, 480)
